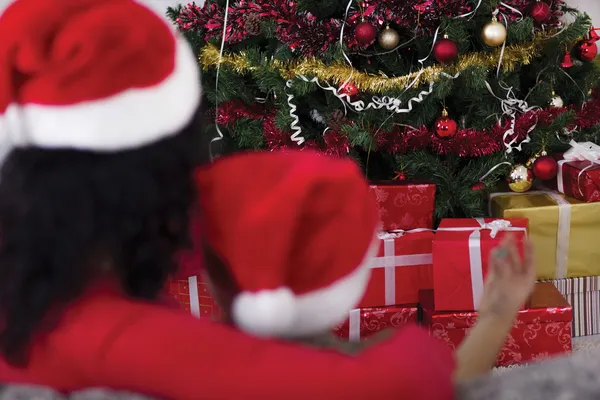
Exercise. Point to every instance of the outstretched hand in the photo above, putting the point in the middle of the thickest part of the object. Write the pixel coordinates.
(510, 280)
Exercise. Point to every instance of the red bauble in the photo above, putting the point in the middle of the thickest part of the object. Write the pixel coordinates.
(540, 11)
(587, 50)
(445, 51)
(365, 33)
(478, 186)
(445, 126)
(348, 88)
(545, 168)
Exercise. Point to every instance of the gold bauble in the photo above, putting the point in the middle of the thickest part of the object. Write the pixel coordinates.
(494, 33)
(388, 38)
(520, 178)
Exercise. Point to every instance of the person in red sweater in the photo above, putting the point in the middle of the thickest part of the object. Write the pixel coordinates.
(100, 135)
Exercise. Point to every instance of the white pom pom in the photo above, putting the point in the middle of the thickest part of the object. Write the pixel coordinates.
(269, 313)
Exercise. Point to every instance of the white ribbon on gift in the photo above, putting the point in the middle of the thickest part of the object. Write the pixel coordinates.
(475, 261)
(390, 261)
(586, 151)
(563, 235)
(194, 296)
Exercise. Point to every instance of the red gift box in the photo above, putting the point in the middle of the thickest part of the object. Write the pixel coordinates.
(404, 205)
(402, 268)
(461, 251)
(542, 328)
(365, 322)
(193, 295)
(579, 179)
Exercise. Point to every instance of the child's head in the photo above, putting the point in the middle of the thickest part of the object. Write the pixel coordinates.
(290, 237)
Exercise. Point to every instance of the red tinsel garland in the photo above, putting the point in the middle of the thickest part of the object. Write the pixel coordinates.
(466, 143)
(309, 36)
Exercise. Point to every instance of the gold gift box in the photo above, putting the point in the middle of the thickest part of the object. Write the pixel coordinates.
(569, 252)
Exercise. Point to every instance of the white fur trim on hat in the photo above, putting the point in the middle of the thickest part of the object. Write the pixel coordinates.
(266, 313)
(127, 120)
(278, 313)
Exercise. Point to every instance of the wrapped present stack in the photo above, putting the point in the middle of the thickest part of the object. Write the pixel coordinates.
(436, 278)
(564, 221)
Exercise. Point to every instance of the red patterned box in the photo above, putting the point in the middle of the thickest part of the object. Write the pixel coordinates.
(193, 295)
(580, 180)
(404, 205)
(402, 268)
(461, 251)
(542, 329)
(365, 322)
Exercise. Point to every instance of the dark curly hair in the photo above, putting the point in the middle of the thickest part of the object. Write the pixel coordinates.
(65, 215)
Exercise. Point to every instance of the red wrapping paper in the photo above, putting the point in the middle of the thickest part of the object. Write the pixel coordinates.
(365, 322)
(580, 180)
(461, 251)
(542, 329)
(404, 205)
(193, 295)
(402, 267)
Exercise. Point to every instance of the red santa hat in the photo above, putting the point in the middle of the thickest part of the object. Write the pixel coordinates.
(297, 232)
(93, 75)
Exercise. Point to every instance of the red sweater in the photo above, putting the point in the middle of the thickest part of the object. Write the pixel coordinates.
(108, 340)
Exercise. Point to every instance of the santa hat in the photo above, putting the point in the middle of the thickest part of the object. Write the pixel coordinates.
(93, 75)
(296, 231)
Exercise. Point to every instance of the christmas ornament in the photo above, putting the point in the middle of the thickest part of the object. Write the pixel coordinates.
(545, 168)
(389, 38)
(567, 62)
(494, 33)
(540, 11)
(520, 178)
(445, 126)
(587, 50)
(478, 186)
(556, 101)
(253, 24)
(348, 88)
(532, 160)
(365, 33)
(445, 51)
(593, 35)
(400, 176)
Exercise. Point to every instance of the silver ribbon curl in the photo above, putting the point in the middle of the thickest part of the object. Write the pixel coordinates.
(511, 107)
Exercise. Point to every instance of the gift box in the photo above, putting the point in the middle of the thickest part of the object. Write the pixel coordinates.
(579, 179)
(562, 230)
(193, 295)
(583, 294)
(404, 205)
(461, 251)
(579, 172)
(542, 328)
(365, 322)
(401, 269)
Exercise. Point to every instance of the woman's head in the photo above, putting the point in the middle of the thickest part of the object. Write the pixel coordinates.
(100, 128)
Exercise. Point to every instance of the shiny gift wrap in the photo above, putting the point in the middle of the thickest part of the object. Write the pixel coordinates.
(580, 180)
(404, 205)
(401, 268)
(192, 294)
(564, 231)
(365, 322)
(461, 252)
(542, 329)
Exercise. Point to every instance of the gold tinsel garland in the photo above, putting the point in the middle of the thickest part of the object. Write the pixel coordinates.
(338, 72)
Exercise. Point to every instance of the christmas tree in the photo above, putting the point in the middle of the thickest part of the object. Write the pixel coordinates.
(464, 93)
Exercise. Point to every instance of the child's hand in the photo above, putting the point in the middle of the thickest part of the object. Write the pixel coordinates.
(510, 281)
